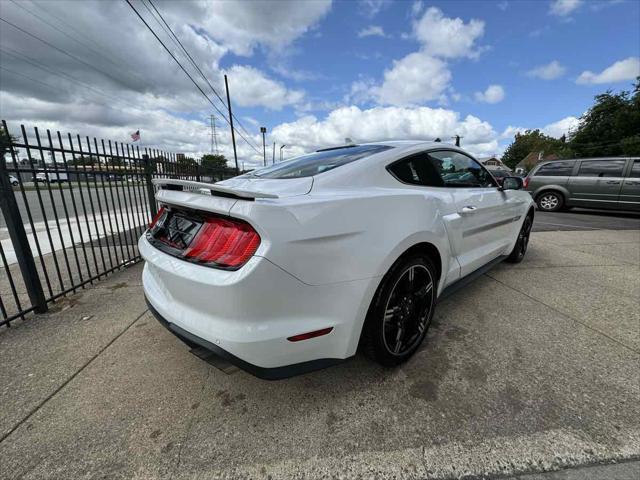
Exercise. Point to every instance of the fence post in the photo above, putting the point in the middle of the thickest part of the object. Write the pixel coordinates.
(20, 242)
(198, 177)
(148, 176)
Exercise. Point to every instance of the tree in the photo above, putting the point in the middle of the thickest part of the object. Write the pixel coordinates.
(532, 141)
(213, 162)
(610, 127)
(6, 139)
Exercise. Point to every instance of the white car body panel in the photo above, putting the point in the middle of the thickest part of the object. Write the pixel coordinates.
(326, 243)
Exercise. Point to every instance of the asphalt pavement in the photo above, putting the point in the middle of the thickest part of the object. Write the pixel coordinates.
(531, 368)
(585, 219)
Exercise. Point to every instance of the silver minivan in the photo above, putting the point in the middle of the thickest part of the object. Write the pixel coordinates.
(612, 183)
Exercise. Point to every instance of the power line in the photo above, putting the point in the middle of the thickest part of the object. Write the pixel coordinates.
(64, 52)
(79, 42)
(184, 70)
(177, 41)
(118, 62)
(20, 56)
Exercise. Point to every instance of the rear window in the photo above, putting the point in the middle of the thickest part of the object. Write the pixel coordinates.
(601, 168)
(555, 169)
(318, 162)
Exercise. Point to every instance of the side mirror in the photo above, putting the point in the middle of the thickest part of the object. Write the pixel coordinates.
(512, 183)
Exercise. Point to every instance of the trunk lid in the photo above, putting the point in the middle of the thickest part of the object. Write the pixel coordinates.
(282, 188)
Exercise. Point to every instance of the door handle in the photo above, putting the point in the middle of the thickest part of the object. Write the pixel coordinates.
(468, 209)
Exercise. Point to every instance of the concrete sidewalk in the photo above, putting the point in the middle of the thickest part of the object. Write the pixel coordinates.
(532, 368)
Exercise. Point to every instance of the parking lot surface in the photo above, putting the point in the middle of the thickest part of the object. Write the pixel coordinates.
(584, 219)
(532, 368)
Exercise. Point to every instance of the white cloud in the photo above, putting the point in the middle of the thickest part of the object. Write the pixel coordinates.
(562, 8)
(511, 131)
(503, 5)
(147, 92)
(493, 94)
(561, 127)
(416, 8)
(370, 8)
(416, 78)
(550, 71)
(242, 26)
(385, 123)
(555, 129)
(627, 69)
(448, 37)
(424, 75)
(252, 88)
(372, 31)
(158, 128)
(597, 6)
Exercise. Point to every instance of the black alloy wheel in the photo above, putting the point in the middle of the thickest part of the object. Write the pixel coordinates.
(520, 248)
(402, 310)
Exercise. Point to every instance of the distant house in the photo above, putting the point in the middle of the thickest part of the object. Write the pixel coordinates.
(493, 163)
(534, 158)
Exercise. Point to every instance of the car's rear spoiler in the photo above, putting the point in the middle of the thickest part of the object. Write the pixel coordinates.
(172, 183)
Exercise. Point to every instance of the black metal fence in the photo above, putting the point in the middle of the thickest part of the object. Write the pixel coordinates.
(72, 210)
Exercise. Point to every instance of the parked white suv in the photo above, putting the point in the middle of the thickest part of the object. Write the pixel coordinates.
(291, 267)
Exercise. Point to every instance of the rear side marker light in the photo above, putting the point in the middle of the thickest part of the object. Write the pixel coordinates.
(525, 182)
(308, 335)
(156, 217)
(225, 243)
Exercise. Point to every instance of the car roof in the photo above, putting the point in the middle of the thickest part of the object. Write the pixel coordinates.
(410, 143)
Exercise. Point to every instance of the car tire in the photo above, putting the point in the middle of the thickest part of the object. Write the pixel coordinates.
(401, 311)
(520, 248)
(15, 184)
(550, 201)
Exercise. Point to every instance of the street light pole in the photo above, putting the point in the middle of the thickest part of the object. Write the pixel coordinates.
(273, 158)
(281, 147)
(263, 130)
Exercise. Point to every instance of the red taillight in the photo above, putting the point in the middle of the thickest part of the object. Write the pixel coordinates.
(156, 217)
(308, 335)
(525, 182)
(226, 243)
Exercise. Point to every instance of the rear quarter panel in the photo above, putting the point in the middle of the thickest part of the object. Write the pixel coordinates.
(342, 235)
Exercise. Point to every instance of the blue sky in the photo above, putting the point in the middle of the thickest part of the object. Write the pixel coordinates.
(316, 72)
(518, 37)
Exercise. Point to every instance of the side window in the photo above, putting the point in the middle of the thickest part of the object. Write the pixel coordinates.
(601, 168)
(459, 171)
(635, 169)
(416, 170)
(555, 169)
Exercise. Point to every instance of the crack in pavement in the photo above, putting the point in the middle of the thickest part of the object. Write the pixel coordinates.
(564, 314)
(68, 380)
(189, 426)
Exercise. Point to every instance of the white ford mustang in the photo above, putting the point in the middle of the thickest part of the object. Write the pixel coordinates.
(292, 267)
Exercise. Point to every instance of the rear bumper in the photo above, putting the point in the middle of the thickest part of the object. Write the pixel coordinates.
(246, 316)
(274, 373)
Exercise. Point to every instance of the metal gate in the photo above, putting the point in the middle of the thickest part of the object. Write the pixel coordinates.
(72, 211)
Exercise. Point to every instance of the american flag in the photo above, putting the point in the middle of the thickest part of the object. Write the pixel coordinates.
(135, 136)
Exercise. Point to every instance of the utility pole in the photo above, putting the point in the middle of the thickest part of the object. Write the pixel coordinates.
(214, 135)
(233, 133)
(273, 158)
(263, 130)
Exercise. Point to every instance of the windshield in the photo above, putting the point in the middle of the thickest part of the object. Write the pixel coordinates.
(318, 162)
